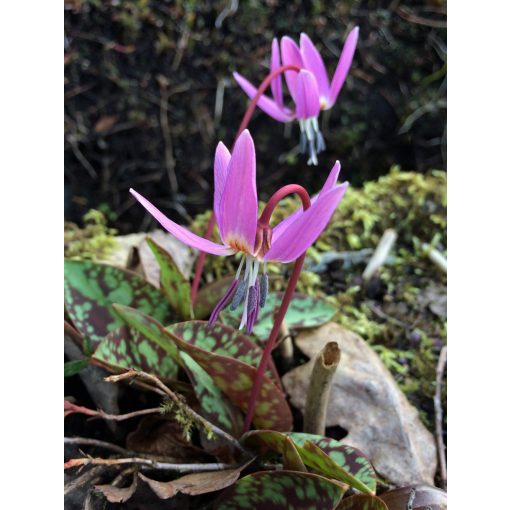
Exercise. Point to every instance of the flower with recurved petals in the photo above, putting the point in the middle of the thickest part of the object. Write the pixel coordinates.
(309, 88)
(236, 211)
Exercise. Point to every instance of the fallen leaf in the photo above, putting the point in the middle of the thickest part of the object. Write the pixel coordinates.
(105, 123)
(195, 483)
(418, 497)
(366, 401)
(362, 502)
(183, 256)
(163, 436)
(118, 494)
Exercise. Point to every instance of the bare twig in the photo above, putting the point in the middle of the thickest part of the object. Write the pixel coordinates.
(441, 363)
(83, 479)
(380, 254)
(436, 257)
(165, 131)
(317, 397)
(96, 442)
(205, 424)
(70, 408)
(154, 464)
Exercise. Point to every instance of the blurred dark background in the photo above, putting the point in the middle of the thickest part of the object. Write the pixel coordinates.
(149, 93)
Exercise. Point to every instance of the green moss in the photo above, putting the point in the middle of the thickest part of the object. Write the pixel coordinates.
(95, 241)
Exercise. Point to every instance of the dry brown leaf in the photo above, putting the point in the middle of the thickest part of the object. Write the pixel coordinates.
(118, 494)
(163, 436)
(183, 256)
(415, 498)
(195, 483)
(105, 123)
(366, 401)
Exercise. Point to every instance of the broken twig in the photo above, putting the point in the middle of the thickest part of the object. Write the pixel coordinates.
(439, 416)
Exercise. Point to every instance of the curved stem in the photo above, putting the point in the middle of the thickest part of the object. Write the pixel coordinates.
(244, 123)
(262, 88)
(289, 291)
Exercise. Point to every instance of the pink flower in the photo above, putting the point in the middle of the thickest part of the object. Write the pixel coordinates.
(236, 211)
(310, 88)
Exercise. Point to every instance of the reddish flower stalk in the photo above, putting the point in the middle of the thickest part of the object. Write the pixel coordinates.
(298, 265)
(244, 123)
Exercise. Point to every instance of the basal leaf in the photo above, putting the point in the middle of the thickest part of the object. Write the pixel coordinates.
(304, 312)
(209, 295)
(74, 367)
(215, 405)
(126, 347)
(336, 464)
(281, 490)
(348, 457)
(174, 285)
(320, 462)
(91, 288)
(233, 377)
(225, 341)
(362, 502)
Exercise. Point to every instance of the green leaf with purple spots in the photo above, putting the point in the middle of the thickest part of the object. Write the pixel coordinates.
(127, 348)
(304, 312)
(225, 341)
(215, 405)
(233, 377)
(341, 462)
(349, 458)
(172, 282)
(281, 490)
(75, 366)
(209, 295)
(91, 288)
(362, 502)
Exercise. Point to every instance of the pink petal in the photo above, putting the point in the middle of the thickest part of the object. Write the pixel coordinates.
(314, 63)
(305, 230)
(291, 56)
(264, 103)
(237, 218)
(330, 183)
(276, 83)
(181, 233)
(307, 100)
(221, 160)
(344, 64)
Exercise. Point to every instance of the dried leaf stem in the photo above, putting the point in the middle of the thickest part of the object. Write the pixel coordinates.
(317, 397)
(439, 416)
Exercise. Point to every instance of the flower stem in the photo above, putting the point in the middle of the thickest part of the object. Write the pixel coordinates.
(244, 123)
(289, 291)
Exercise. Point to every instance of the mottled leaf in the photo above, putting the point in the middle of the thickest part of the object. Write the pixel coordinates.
(281, 490)
(225, 341)
(291, 459)
(118, 494)
(362, 502)
(235, 378)
(195, 483)
(215, 405)
(91, 288)
(303, 312)
(209, 295)
(172, 282)
(75, 366)
(348, 457)
(126, 347)
(315, 458)
(343, 463)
